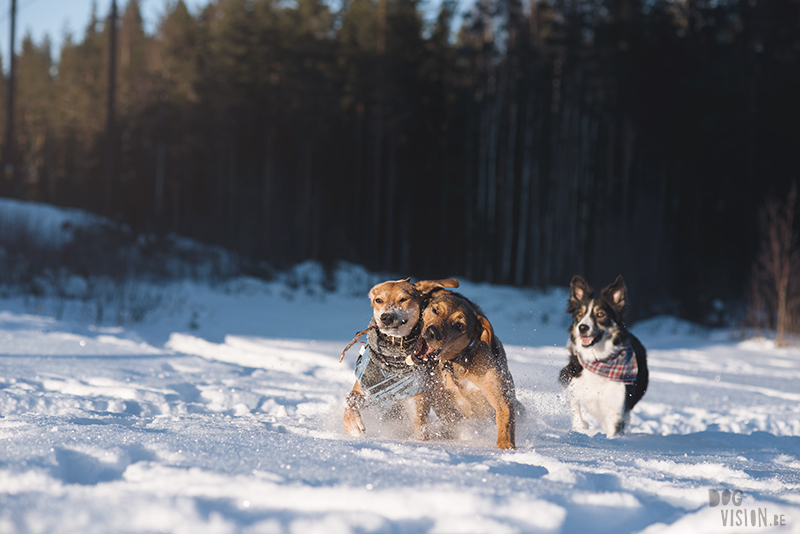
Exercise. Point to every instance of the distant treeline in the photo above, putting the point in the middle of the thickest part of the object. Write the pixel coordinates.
(520, 143)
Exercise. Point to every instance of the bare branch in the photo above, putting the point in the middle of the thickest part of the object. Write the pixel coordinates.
(774, 292)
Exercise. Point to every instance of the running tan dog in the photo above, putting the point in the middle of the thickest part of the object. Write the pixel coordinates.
(385, 370)
(473, 377)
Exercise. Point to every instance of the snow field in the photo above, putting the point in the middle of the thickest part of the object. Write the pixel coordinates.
(222, 414)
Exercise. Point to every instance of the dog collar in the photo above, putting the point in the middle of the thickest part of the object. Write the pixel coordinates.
(619, 367)
(391, 352)
(464, 358)
(407, 340)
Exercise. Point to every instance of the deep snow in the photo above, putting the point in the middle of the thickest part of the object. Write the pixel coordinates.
(222, 413)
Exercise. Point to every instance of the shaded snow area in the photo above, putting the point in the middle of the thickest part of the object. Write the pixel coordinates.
(221, 413)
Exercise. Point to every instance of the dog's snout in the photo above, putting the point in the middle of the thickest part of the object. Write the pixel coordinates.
(583, 329)
(388, 318)
(433, 333)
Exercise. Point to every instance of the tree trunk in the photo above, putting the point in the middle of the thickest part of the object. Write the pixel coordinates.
(377, 163)
(491, 180)
(508, 209)
(389, 238)
(161, 157)
(525, 193)
(469, 200)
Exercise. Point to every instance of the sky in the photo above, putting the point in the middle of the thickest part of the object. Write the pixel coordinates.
(55, 17)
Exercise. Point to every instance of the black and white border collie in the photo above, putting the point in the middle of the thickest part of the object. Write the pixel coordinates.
(607, 370)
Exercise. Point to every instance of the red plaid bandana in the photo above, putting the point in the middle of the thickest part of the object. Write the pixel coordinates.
(620, 366)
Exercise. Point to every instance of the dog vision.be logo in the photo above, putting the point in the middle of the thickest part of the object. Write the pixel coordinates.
(737, 516)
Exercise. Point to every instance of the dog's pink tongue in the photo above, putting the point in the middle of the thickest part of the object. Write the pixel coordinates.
(423, 350)
(587, 341)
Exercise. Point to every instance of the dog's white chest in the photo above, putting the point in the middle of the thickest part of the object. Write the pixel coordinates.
(600, 397)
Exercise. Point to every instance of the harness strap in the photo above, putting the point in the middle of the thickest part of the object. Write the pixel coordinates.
(381, 384)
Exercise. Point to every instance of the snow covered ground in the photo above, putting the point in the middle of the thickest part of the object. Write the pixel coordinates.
(221, 413)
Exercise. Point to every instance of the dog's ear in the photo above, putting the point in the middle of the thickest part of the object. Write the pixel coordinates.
(617, 294)
(486, 330)
(426, 286)
(578, 290)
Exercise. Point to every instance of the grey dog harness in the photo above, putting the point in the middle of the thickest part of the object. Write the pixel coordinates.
(384, 374)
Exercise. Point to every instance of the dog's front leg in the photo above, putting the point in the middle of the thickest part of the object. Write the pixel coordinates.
(353, 424)
(614, 424)
(419, 406)
(578, 424)
(491, 385)
(612, 408)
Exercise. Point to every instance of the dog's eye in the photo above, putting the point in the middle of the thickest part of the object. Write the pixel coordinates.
(403, 299)
(435, 311)
(378, 300)
(461, 327)
(600, 314)
(579, 314)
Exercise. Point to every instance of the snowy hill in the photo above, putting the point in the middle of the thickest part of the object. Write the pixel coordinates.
(221, 413)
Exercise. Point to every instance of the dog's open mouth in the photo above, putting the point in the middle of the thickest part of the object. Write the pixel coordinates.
(588, 341)
(423, 352)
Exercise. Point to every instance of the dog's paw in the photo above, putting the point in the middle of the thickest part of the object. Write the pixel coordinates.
(579, 425)
(422, 434)
(353, 424)
(614, 429)
(505, 444)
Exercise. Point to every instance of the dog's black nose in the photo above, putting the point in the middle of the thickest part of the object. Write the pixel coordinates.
(583, 329)
(387, 318)
(433, 333)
